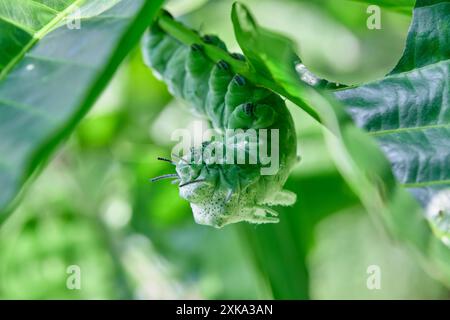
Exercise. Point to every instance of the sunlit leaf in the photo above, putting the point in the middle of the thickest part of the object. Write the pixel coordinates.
(52, 72)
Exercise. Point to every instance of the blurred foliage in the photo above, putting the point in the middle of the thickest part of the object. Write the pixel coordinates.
(349, 245)
(94, 207)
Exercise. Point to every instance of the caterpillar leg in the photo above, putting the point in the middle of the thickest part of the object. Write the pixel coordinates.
(262, 219)
(281, 198)
(269, 210)
(259, 216)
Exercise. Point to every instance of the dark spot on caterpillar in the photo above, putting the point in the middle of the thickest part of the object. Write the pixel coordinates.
(240, 80)
(249, 109)
(238, 56)
(196, 47)
(223, 65)
(213, 40)
(208, 39)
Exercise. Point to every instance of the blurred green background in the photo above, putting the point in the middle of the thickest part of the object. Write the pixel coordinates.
(94, 207)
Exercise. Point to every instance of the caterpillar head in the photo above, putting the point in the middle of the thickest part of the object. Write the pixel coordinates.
(219, 194)
(212, 206)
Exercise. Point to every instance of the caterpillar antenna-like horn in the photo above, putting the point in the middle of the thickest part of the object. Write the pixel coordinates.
(166, 160)
(190, 182)
(165, 176)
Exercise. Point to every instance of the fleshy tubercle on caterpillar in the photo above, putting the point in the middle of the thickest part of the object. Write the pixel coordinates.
(220, 192)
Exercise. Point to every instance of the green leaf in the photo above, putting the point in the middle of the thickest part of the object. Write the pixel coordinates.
(408, 112)
(402, 6)
(428, 38)
(356, 154)
(51, 74)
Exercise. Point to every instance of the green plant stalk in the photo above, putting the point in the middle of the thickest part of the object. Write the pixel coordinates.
(189, 37)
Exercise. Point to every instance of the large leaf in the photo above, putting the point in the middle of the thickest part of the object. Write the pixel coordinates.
(408, 112)
(403, 6)
(51, 74)
(357, 156)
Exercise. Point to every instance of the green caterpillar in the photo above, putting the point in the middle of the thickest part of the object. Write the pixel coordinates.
(221, 193)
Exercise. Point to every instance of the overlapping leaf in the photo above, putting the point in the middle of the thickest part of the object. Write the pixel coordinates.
(359, 159)
(408, 112)
(51, 74)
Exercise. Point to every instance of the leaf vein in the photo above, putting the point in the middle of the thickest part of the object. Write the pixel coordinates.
(407, 129)
(18, 25)
(425, 183)
(38, 4)
(39, 35)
